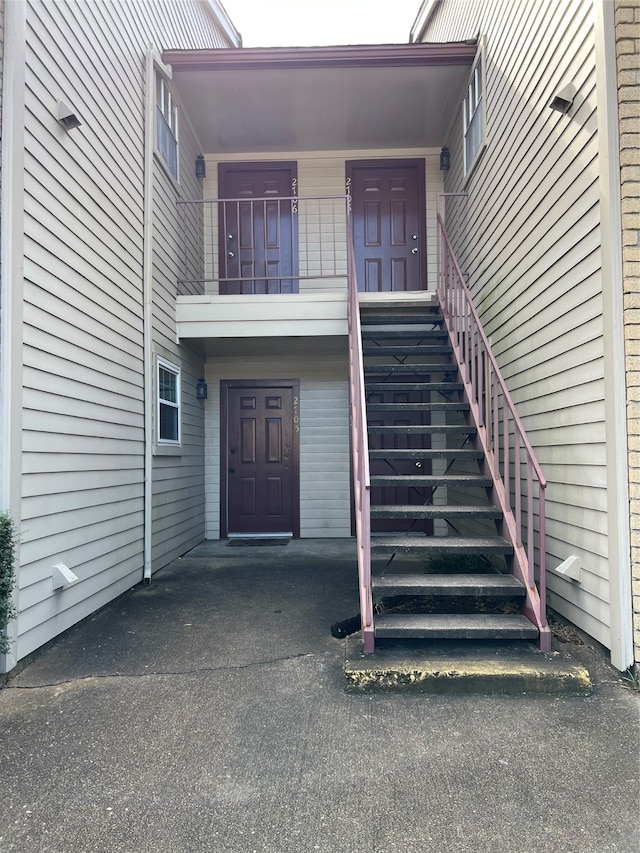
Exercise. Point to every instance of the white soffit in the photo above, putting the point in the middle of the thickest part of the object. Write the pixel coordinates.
(321, 109)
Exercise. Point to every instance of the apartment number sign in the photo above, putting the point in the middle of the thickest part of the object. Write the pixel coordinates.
(296, 414)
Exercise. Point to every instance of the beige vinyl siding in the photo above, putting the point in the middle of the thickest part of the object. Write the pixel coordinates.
(83, 438)
(324, 173)
(325, 505)
(529, 237)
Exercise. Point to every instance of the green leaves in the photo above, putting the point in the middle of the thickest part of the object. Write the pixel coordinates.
(8, 539)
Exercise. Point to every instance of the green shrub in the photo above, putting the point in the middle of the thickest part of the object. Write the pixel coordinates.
(7, 575)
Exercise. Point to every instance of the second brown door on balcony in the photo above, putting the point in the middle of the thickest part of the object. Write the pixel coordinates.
(388, 214)
(258, 239)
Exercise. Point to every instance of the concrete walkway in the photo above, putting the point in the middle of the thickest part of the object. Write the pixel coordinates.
(207, 712)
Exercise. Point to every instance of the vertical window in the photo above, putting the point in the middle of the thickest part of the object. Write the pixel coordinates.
(474, 115)
(168, 403)
(166, 126)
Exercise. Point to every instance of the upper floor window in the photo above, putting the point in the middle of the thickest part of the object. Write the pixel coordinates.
(166, 126)
(474, 114)
(168, 402)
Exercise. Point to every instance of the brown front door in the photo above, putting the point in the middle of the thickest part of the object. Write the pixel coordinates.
(257, 239)
(405, 495)
(260, 458)
(388, 213)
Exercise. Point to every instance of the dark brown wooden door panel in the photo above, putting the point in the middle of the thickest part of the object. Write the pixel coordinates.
(403, 467)
(258, 240)
(259, 453)
(388, 214)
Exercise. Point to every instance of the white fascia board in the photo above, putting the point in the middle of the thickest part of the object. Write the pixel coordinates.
(618, 522)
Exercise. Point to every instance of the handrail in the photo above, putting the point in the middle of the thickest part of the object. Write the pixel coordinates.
(501, 434)
(360, 453)
(268, 244)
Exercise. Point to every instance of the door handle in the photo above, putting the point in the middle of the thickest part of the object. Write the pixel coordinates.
(232, 470)
(230, 255)
(414, 237)
(229, 236)
(414, 251)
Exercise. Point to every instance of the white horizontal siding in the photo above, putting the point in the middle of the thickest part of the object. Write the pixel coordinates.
(83, 438)
(529, 237)
(325, 505)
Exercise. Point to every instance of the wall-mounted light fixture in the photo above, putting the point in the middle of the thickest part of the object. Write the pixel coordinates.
(67, 117)
(445, 160)
(201, 389)
(201, 169)
(562, 101)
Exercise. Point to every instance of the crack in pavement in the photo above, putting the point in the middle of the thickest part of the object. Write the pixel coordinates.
(206, 669)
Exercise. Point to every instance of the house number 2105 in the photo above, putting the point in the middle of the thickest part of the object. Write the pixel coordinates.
(296, 415)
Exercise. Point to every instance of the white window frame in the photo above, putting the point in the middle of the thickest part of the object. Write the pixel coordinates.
(168, 367)
(167, 139)
(474, 113)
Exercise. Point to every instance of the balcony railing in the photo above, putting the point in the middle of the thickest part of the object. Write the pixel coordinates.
(263, 245)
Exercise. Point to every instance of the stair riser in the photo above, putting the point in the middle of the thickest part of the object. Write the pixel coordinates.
(456, 634)
(447, 453)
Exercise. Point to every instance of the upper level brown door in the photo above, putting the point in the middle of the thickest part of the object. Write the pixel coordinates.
(388, 213)
(260, 458)
(257, 240)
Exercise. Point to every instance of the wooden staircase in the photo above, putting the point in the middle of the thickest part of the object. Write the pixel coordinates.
(441, 567)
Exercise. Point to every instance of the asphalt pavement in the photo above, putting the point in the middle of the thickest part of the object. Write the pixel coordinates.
(208, 712)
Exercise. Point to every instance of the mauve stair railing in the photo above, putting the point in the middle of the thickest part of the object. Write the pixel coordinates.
(360, 455)
(518, 482)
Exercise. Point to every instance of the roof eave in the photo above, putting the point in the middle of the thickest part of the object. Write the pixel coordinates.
(390, 55)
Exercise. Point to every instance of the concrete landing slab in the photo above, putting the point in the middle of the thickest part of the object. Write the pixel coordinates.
(454, 668)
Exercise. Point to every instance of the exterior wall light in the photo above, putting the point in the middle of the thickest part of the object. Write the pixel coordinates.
(445, 160)
(201, 389)
(201, 169)
(562, 101)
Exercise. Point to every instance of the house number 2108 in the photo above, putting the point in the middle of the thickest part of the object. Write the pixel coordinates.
(296, 415)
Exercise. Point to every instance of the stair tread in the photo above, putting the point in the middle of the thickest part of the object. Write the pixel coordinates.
(386, 319)
(445, 511)
(450, 625)
(399, 480)
(389, 334)
(426, 368)
(416, 543)
(448, 584)
(427, 453)
(420, 429)
(418, 350)
(458, 405)
(413, 386)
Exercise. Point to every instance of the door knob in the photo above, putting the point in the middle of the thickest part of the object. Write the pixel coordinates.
(230, 255)
(414, 237)
(232, 450)
(232, 470)
(229, 236)
(414, 251)
(418, 464)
